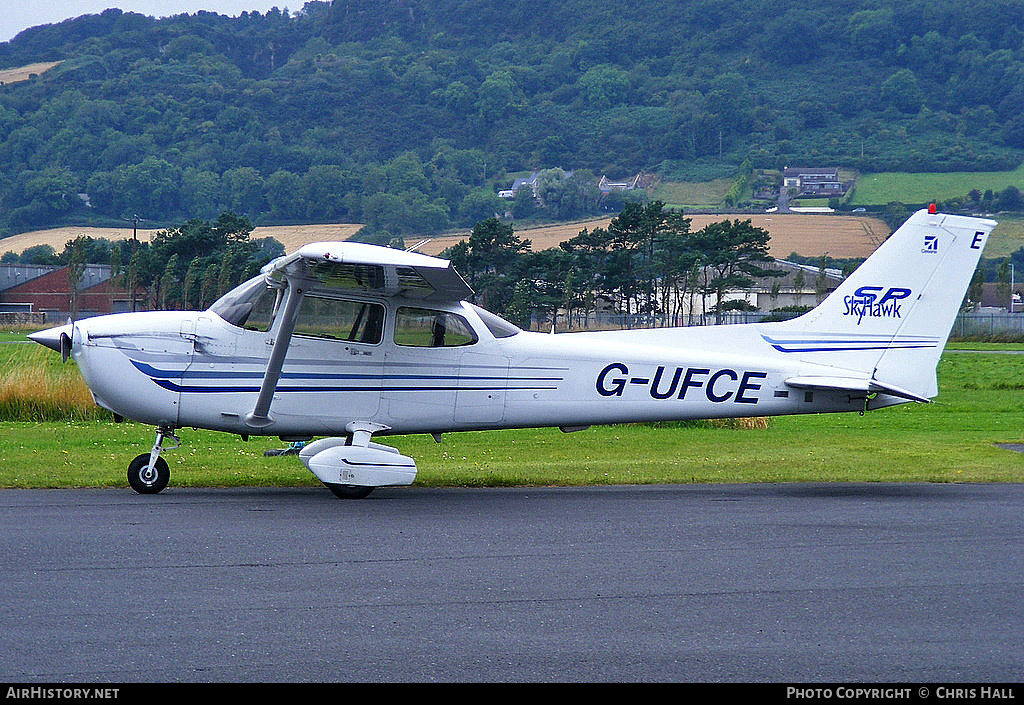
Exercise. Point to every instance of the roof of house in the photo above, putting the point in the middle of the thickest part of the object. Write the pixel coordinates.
(811, 171)
(992, 295)
(787, 281)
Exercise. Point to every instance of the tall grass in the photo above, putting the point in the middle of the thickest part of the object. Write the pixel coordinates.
(35, 386)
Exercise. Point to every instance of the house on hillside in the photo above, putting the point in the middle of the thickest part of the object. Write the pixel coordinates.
(32, 289)
(813, 182)
(606, 185)
(522, 182)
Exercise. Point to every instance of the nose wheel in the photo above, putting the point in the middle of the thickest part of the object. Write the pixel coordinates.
(148, 473)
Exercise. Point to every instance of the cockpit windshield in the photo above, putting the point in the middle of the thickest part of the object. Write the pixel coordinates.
(250, 305)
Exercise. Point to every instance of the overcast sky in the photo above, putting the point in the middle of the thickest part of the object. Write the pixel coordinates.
(16, 15)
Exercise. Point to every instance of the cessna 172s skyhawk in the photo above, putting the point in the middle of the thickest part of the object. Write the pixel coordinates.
(350, 341)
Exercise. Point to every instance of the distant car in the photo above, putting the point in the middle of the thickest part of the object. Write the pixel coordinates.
(859, 210)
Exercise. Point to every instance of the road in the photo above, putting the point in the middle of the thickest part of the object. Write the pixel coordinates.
(741, 583)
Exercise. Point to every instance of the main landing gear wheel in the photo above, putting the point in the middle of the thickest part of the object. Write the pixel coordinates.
(349, 491)
(147, 480)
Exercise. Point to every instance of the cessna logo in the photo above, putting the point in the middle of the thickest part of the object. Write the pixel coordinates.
(870, 302)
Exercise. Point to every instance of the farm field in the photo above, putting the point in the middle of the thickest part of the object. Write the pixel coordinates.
(879, 189)
(951, 440)
(806, 234)
(23, 73)
(809, 235)
(692, 194)
(291, 236)
(1007, 237)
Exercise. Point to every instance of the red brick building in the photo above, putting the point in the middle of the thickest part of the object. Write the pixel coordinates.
(46, 290)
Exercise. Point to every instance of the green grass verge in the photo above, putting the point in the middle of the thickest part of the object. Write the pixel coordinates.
(981, 403)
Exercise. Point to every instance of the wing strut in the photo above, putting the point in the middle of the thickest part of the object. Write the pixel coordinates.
(260, 415)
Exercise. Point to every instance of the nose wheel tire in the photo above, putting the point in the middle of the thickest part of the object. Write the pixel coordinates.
(146, 480)
(349, 491)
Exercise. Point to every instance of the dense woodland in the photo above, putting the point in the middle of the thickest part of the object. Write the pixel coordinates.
(409, 115)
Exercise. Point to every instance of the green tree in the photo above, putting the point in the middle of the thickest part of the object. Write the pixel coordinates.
(603, 86)
(731, 253)
(492, 262)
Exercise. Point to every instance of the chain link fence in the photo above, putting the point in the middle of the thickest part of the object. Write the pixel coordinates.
(972, 325)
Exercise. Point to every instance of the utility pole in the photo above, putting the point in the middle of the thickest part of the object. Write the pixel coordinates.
(132, 262)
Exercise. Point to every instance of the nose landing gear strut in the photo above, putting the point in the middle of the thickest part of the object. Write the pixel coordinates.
(148, 473)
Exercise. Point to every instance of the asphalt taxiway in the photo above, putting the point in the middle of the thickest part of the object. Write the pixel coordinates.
(781, 583)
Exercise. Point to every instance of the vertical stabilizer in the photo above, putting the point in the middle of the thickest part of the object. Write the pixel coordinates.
(890, 319)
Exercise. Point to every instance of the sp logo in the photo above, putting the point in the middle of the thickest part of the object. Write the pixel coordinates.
(869, 294)
(870, 302)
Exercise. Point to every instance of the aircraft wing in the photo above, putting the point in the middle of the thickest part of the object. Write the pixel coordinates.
(372, 269)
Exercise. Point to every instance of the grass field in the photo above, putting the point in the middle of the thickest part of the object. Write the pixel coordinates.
(1007, 237)
(879, 189)
(808, 235)
(291, 236)
(981, 403)
(687, 194)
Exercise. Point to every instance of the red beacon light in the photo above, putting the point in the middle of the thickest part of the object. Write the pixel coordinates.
(931, 208)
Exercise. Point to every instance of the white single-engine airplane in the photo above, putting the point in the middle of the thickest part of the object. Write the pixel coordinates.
(349, 341)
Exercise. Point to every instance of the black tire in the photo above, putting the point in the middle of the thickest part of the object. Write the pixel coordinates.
(349, 491)
(148, 485)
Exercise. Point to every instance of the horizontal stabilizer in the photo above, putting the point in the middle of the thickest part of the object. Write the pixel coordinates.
(853, 384)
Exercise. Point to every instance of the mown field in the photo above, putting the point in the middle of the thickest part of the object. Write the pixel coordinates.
(905, 187)
(981, 403)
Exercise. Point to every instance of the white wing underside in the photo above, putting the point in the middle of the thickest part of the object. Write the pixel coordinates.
(381, 271)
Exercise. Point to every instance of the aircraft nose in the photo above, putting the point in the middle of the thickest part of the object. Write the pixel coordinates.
(58, 339)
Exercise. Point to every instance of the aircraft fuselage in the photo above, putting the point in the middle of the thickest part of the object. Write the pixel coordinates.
(189, 369)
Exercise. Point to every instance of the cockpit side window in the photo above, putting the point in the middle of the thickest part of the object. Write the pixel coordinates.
(427, 328)
(340, 319)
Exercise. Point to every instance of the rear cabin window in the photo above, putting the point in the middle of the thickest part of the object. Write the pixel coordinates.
(339, 319)
(499, 327)
(427, 328)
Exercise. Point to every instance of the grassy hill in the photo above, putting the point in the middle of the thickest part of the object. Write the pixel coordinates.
(409, 115)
